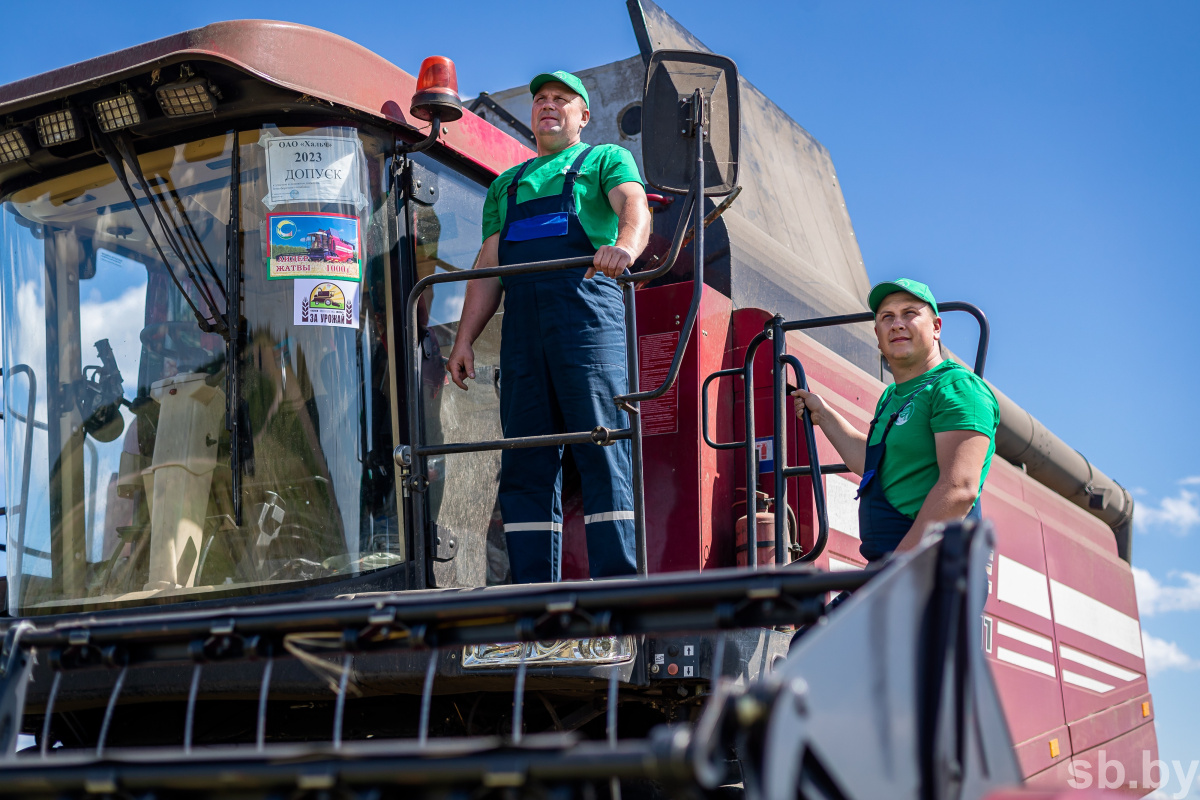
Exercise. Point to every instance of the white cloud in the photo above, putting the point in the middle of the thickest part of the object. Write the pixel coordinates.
(1181, 512)
(1154, 597)
(119, 320)
(1162, 655)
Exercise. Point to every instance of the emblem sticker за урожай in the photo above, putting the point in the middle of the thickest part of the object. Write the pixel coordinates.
(326, 302)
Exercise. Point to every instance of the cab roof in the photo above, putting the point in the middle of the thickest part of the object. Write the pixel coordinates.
(314, 63)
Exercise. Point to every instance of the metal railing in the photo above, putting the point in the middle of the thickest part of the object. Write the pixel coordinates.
(410, 458)
(776, 331)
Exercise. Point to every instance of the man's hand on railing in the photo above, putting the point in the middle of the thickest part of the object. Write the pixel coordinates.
(461, 364)
(612, 260)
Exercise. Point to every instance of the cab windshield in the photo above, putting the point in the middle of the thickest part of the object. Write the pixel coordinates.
(160, 447)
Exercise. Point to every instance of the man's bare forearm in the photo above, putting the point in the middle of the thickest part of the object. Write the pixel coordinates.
(633, 226)
(846, 439)
(947, 500)
(483, 295)
(479, 305)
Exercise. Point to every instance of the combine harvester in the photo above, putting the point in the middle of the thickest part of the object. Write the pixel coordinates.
(254, 556)
(328, 246)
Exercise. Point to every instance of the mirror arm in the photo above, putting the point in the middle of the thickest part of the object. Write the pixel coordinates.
(435, 128)
(689, 322)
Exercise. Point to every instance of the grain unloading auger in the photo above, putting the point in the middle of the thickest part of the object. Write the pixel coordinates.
(926, 723)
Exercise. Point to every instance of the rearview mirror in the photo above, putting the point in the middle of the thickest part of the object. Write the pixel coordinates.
(668, 144)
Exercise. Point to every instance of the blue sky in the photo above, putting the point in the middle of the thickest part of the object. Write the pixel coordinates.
(1039, 159)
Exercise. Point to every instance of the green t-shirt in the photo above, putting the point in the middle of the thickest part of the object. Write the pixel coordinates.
(606, 166)
(956, 400)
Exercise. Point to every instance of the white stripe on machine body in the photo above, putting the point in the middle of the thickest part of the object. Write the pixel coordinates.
(1022, 635)
(1022, 660)
(1085, 614)
(1075, 679)
(1023, 587)
(1100, 665)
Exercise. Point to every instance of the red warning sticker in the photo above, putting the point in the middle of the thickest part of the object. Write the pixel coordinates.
(655, 352)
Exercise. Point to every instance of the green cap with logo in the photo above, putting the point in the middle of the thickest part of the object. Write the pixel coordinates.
(567, 78)
(917, 289)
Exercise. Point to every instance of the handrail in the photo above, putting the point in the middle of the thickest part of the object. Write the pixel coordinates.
(814, 464)
(410, 457)
(775, 331)
(734, 372)
(985, 329)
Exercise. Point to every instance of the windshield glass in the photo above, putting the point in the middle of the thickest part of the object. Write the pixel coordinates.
(124, 479)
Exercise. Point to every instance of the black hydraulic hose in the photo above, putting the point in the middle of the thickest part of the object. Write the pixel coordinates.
(125, 149)
(192, 240)
(118, 168)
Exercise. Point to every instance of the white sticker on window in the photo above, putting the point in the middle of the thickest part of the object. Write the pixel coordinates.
(323, 302)
(313, 169)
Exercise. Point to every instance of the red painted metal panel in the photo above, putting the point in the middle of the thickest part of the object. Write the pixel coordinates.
(310, 61)
(1034, 755)
(689, 523)
(1130, 752)
(1097, 729)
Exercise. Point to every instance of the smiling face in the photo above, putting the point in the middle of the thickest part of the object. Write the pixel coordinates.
(558, 116)
(909, 334)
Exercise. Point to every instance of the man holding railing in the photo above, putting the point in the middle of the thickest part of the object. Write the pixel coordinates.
(562, 352)
(936, 425)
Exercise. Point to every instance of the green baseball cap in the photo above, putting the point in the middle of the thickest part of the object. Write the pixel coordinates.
(917, 289)
(567, 78)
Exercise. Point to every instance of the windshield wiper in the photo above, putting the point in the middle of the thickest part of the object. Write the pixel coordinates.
(233, 322)
(121, 154)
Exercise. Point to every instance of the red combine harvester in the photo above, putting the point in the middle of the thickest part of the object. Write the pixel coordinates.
(328, 246)
(251, 557)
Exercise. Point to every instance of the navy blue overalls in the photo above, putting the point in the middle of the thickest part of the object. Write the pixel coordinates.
(881, 526)
(562, 358)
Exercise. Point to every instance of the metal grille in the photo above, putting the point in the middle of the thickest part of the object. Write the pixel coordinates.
(118, 112)
(182, 99)
(57, 128)
(13, 146)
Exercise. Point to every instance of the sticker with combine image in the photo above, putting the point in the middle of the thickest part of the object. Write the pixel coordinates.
(310, 245)
(325, 302)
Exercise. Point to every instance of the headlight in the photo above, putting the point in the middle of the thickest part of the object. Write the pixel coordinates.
(118, 112)
(598, 650)
(58, 127)
(14, 145)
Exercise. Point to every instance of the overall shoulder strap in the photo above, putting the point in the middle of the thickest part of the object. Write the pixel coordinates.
(573, 171)
(512, 187)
